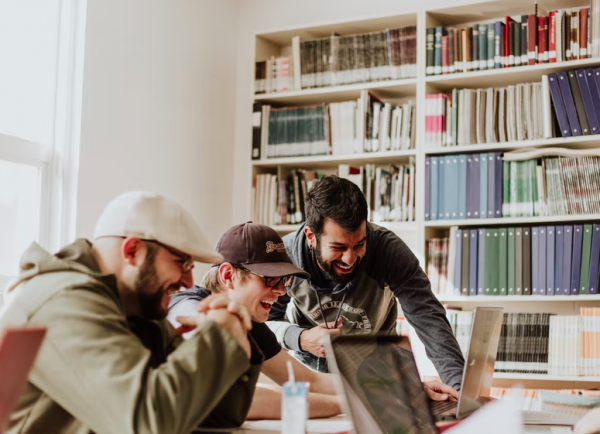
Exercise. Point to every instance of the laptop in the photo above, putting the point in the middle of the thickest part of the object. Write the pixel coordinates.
(382, 386)
(18, 349)
(478, 372)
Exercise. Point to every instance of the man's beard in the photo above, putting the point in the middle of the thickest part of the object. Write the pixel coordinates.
(150, 302)
(327, 267)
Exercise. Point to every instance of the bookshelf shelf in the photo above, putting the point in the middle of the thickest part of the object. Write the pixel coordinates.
(581, 142)
(505, 221)
(515, 298)
(504, 76)
(390, 89)
(541, 377)
(392, 226)
(332, 160)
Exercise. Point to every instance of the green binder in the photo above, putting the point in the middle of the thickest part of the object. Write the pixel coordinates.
(491, 262)
(510, 257)
(584, 277)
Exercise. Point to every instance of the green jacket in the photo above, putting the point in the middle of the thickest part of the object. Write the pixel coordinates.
(93, 374)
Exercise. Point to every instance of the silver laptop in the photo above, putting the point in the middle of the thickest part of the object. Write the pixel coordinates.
(382, 387)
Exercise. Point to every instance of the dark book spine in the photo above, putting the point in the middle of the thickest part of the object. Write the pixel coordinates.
(526, 261)
(517, 41)
(524, 40)
(437, 48)
(483, 44)
(475, 47)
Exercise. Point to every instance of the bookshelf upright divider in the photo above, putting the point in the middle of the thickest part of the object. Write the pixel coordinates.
(417, 232)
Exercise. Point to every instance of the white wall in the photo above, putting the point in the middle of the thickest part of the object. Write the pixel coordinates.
(159, 86)
(262, 16)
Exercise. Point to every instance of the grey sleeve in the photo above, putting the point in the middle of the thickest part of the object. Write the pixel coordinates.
(422, 309)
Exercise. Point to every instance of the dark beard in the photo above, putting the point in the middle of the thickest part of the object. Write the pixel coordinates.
(327, 267)
(150, 303)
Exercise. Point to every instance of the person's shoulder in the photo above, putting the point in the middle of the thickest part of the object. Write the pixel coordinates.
(197, 293)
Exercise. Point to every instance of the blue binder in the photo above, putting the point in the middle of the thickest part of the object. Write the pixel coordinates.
(535, 265)
(594, 259)
(567, 260)
(462, 187)
(588, 104)
(550, 263)
(427, 188)
(576, 262)
(491, 185)
(483, 185)
(558, 259)
(559, 106)
(434, 189)
(567, 95)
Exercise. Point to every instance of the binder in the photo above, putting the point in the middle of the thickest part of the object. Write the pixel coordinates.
(498, 185)
(471, 168)
(510, 267)
(578, 98)
(458, 263)
(491, 261)
(559, 106)
(576, 262)
(464, 279)
(567, 95)
(462, 187)
(481, 262)
(542, 261)
(483, 185)
(594, 92)
(519, 261)
(434, 189)
(526, 261)
(503, 261)
(491, 187)
(427, 188)
(588, 104)
(473, 258)
(567, 260)
(441, 191)
(535, 249)
(499, 45)
(584, 275)
(558, 257)
(451, 192)
(594, 259)
(550, 259)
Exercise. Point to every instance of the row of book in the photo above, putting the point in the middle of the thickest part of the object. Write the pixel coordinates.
(344, 128)
(337, 60)
(562, 35)
(278, 199)
(389, 190)
(492, 115)
(274, 75)
(538, 260)
(541, 343)
(480, 186)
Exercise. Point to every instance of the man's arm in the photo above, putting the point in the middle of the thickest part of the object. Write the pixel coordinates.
(88, 333)
(288, 334)
(276, 369)
(424, 312)
(267, 403)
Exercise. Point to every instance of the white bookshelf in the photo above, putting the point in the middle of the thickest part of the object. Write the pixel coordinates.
(278, 41)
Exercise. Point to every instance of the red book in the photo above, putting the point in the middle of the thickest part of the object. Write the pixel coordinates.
(507, 21)
(445, 56)
(552, 36)
(541, 40)
(531, 40)
(583, 33)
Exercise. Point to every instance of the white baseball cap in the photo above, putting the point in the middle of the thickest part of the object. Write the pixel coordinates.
(152, 216)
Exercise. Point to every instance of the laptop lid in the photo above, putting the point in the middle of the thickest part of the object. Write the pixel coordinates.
(380, 383)
(481, 358)
(18, 349)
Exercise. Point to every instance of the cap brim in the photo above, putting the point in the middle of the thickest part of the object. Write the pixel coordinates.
(277, 269)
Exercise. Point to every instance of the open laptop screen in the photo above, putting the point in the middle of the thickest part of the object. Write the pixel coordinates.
(381, 385)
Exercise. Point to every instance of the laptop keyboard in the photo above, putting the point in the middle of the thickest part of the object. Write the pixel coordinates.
(438, 407)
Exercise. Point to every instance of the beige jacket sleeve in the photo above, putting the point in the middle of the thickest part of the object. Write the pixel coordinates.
(98, 371)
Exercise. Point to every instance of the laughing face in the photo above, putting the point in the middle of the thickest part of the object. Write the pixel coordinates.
(258, 298)
(338, 252)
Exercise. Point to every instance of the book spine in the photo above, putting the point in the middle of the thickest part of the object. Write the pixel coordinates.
(508, 42)
(552, 36)
(445, 56)
(535, 265)
(559, 259)
(541, 37)
(483, 187)
(583, 33)
(519, 261)
(502, 261)
(491, 42)
(579, 107)
(483, 44)
(451, 51)
(481, 252)
(462, 186)
(437, 48)
(458, 263)
(526, 261)
(567, 260)
(510, 267)
(567, 97)
(594, 259)
(517, 43)
(473, 257)
(550, 259)
(584, 274)
(430, 40)
(531, 40)
(576, 261)
(428, 188)
(524, 40)
(498, 53)
(542, 261)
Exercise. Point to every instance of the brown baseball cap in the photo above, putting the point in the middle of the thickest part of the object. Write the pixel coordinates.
(258, 248)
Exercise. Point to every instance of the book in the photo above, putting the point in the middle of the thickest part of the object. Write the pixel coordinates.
(594, 259)
(550, 259)
(578, 98)
(472, 261)
(584, 275)
(576, 258)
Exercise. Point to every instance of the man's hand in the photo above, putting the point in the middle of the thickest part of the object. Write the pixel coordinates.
(438, 391)
(589, 424)
(225, 319)
(311, 340)
(222, 301)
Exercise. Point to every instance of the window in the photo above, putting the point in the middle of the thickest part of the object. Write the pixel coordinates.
(41, 46)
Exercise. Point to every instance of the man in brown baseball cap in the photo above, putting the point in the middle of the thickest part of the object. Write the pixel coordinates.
(255, 272)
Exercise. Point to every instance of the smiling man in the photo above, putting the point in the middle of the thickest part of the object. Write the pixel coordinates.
(358, 270)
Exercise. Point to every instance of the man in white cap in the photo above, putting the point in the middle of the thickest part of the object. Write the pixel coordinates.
(111, 363)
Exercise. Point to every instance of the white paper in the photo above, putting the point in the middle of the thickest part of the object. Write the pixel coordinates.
(498, 417)
(332, 425)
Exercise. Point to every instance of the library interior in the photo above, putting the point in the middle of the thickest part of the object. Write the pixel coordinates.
(316, 216)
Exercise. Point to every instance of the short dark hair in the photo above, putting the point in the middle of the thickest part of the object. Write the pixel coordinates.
(337, 199)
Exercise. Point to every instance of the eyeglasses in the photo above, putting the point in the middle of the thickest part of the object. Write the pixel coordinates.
(270, 282)
(186, 262)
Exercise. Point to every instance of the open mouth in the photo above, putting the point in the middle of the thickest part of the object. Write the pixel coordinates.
(343, 268)
(266, 304)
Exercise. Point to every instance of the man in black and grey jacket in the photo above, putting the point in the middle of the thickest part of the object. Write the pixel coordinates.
(357, 269)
